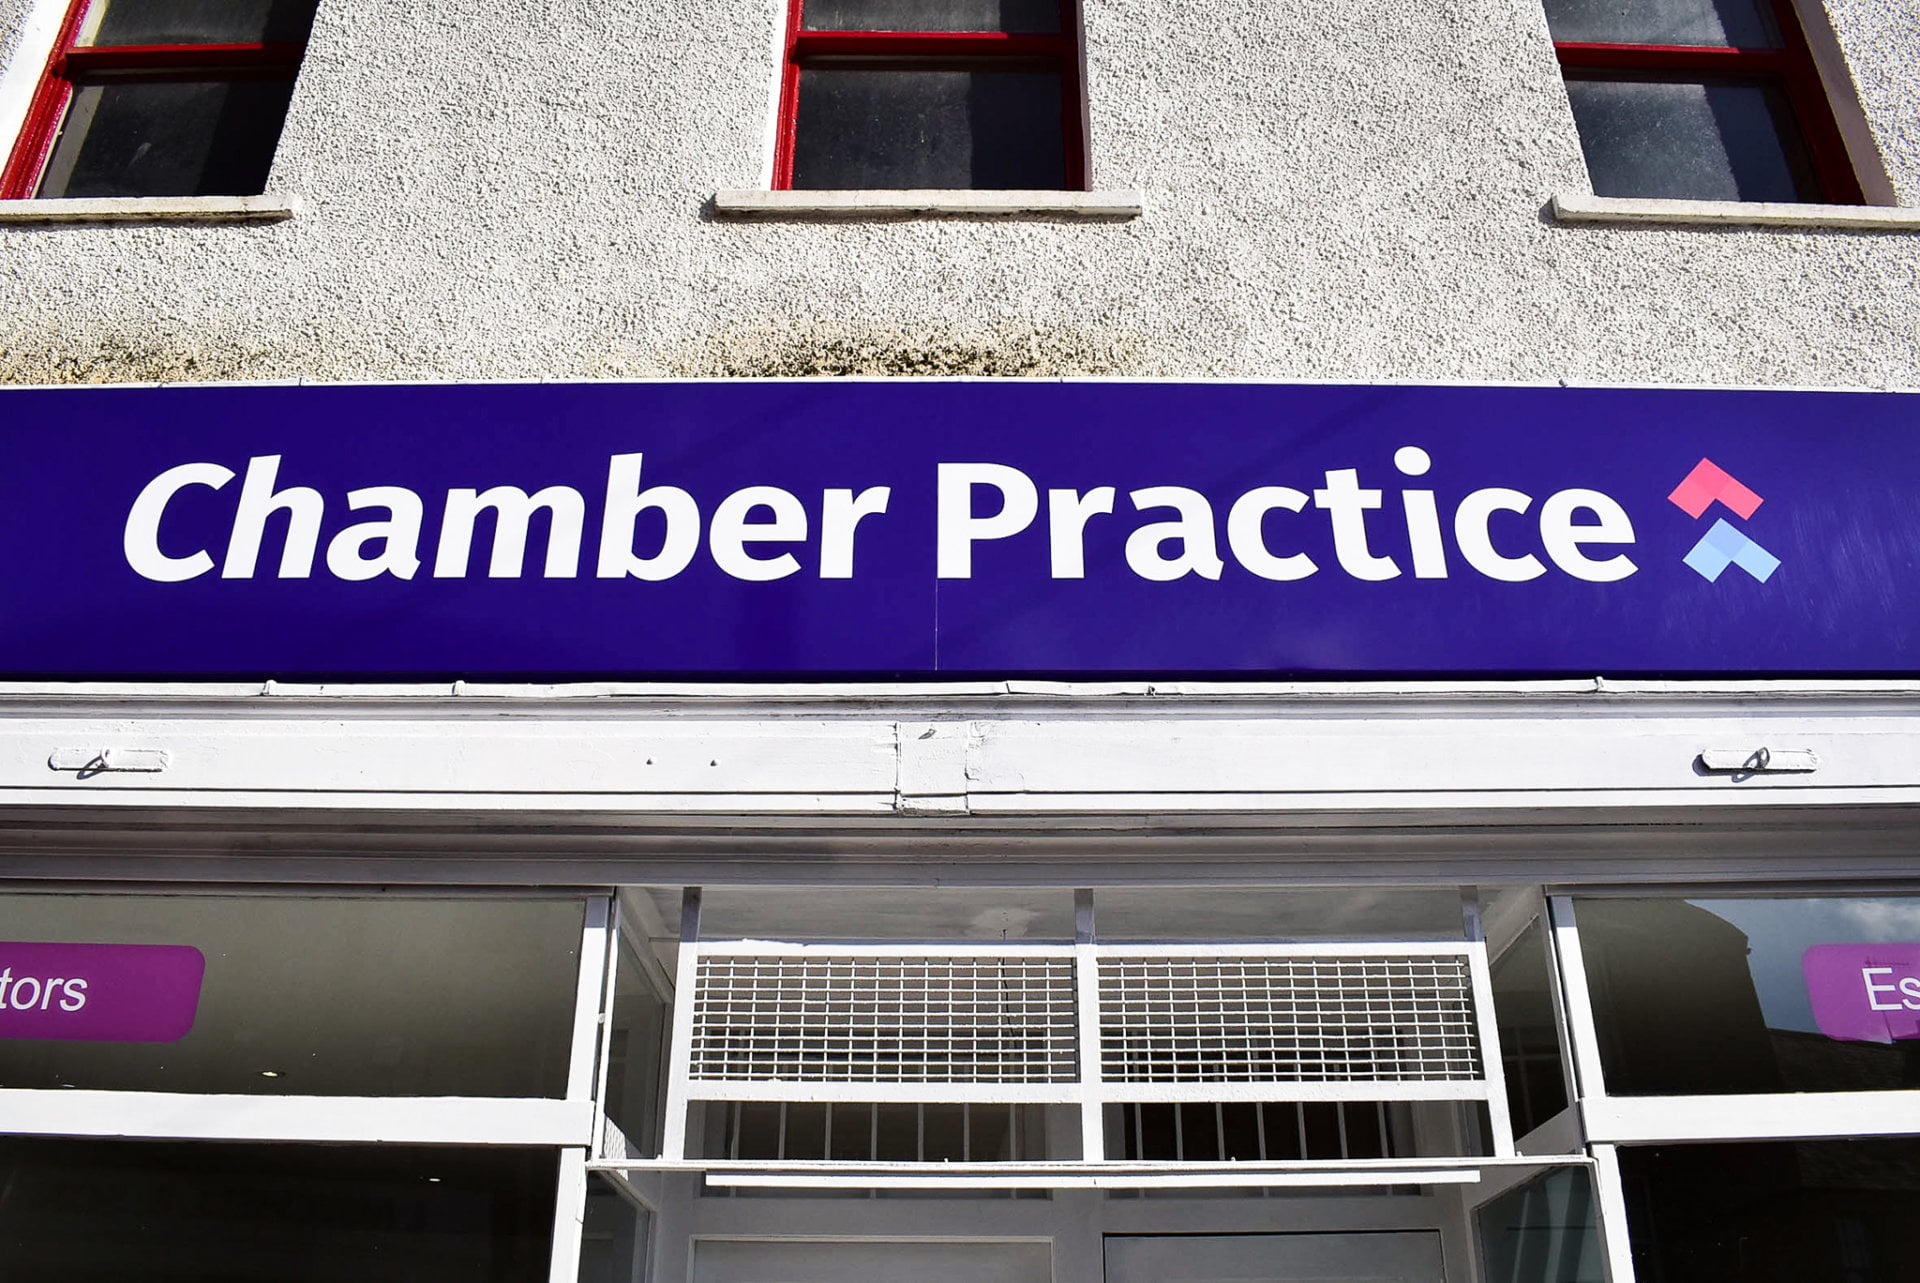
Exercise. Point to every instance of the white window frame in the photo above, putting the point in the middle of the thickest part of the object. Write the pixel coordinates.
(564, 1124)
(1611, 1122)
(1087, 1092)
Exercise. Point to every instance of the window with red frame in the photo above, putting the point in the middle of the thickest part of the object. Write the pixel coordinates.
(161, 98)
(1699, 100)
(931, 94)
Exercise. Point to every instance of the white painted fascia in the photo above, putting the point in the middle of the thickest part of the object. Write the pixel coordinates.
(1109, 206)
(152, 209)
(1573, 207)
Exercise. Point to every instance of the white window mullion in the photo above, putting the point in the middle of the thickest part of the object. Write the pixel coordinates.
(1093, 1127)
(569, 1216)
(673, 1131)
(604, 1035)
(1610, 1203)
(1500, 1122)
(1581, 1030)
(592, 987)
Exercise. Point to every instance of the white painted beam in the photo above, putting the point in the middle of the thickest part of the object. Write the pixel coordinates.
(435, 1120)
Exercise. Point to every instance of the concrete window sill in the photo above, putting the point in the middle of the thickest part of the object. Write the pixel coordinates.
(1732, 213)
(152, 209)
(1108, 207)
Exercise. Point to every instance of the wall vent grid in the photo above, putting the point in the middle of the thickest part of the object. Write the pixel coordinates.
(824, 1019)
(868, 1028)
(1377, 1019)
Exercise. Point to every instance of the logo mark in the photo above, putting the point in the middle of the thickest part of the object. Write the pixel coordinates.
(1709, 483)
(1722, 545)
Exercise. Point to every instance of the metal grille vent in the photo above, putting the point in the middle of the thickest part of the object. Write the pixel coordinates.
(883, 1019)
(1287, 1019)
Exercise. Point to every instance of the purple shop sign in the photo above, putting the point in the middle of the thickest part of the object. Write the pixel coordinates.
(99, 992)
(1864, 992)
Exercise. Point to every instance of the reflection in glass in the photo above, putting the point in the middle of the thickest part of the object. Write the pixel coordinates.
(197, 22)
(328, 997)
(1034, 17)
(1835, 1211)
(886, 913)
(1529, 1036)
(1542, 1232)
(613, 1236)
(138, 137)
(1709, 996)
(1681, 139)
(958, 123)
(1277, 913)
(1744, 24)
(90, 1211)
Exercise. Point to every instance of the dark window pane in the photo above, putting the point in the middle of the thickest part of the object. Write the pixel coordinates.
(1543, 1232)
(324, 997)
(1030, 16)
(947, 125)
(1837, 1211)
(1365, 1130)
(1688, 139)
(806, 1134)
(1745, 24)
(1529, 1036)
(1710, 996)
(168, 138)
(613, 1236)
(635, 1047)
(201, 22)
(850, 1134)
(92, 1211)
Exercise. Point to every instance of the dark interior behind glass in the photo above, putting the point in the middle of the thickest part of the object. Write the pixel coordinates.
(94, 1211)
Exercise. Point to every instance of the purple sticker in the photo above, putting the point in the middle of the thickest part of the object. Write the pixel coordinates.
(99, 992)
(1864, 992)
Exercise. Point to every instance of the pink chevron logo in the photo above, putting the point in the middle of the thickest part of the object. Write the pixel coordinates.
(1708, 484)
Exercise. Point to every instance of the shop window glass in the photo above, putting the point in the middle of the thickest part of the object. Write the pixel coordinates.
(1699, 100)
(1710, 996)
(853, 913)
(1831, 1211)
(1529, 1036)
(1269, 1131)
(636, 1046)
(613, 1236)
(910, 94)
(305, 997)
(1542, 1232)
(161, 98)
(1261, 913)
(89, 1211)
(855, 1132)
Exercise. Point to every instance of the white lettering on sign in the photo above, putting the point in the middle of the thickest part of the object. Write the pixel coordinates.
(1907, 987)
(762, 532)
(981, 503)
(39, 993)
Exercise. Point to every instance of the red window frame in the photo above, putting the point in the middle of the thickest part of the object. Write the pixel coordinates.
(1061, 49)
(71, 60)
(1790, 67)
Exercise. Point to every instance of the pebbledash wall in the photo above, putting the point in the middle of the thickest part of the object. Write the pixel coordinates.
(1198, 915)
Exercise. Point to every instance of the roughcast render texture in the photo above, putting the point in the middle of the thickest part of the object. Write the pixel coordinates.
(1347, 189)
